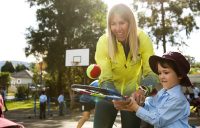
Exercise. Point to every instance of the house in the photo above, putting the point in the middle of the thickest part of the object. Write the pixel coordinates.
(21, 78)
(195, 78)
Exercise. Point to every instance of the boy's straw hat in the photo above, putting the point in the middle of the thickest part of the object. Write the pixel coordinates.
(181, 64)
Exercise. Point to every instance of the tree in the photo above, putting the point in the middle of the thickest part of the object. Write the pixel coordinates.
(62, 25)
(20, 67)
(190, 59)
(8, 67)
(4, 79)
(168, 21)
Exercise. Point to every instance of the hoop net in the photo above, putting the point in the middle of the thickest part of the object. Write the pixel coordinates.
(75, 63)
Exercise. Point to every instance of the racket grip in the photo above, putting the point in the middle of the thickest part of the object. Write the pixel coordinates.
(114, 98)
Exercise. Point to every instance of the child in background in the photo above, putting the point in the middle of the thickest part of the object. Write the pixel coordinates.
(3, 94)
(196, 92)
(87, 107)
(169, 108)
(43, 101)
(1, 106)
(61, 103)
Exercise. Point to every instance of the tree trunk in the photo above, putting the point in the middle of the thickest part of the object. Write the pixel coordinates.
(163, 27)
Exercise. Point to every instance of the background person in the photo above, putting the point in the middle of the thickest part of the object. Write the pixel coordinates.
(3, 94)
(195, 99)
(196, 91)
(61, 103)
(169, 108)
(1, 106)
(87, 106)
(43, 102)
(122, 54)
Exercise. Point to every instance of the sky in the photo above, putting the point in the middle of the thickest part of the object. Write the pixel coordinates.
(16, 16)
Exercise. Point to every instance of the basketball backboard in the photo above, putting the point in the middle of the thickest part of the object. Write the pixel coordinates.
(77, 57)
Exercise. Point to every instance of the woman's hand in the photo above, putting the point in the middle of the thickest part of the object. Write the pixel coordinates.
(121, 104)
(132, 103)
(139, 96)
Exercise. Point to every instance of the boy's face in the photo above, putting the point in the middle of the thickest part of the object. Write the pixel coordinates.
(168, 77)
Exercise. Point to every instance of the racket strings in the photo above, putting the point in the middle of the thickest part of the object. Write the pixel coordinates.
(97, 92)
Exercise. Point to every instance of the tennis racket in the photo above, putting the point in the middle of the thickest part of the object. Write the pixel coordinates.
(107, 94)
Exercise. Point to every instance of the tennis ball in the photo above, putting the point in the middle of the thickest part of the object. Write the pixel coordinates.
(93, 71)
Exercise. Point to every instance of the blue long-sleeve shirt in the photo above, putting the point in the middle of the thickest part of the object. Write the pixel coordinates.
(43, 98)
(168, 109)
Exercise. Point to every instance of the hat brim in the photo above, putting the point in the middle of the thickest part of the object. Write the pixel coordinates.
(153, 61)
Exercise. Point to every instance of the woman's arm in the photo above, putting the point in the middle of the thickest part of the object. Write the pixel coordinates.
(149, 79)
(103, 60)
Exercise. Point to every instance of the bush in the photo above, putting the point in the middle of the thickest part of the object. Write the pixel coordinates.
(22, 92)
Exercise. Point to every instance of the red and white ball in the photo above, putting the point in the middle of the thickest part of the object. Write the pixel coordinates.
(93, 71)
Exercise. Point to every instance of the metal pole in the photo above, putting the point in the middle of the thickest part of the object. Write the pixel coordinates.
(35, 103)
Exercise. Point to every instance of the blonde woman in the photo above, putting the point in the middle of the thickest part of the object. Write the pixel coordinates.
(122, 54)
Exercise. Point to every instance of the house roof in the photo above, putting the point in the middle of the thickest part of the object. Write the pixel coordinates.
(22, 74)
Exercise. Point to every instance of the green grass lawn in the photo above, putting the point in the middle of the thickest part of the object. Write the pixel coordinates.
(24, 104)
(11, 94)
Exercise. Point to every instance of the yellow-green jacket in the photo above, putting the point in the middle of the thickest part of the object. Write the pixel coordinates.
(125, 73)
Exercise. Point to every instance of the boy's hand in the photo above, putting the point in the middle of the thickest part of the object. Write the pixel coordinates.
(129, 105)
(121, 104)
(139, 96)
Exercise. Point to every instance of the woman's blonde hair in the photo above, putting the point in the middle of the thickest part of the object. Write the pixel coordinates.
(126, 13)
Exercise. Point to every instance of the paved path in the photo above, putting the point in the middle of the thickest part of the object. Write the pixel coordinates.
(28, 119)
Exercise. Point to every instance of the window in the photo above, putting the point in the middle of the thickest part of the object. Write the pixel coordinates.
(18, 81)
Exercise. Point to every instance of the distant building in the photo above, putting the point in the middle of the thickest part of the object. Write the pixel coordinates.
(195, 78)
(21, 78)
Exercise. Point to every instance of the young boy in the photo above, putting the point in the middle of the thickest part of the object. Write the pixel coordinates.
(169, 108)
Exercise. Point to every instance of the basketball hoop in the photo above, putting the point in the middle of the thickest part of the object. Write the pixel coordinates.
(77, 57)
